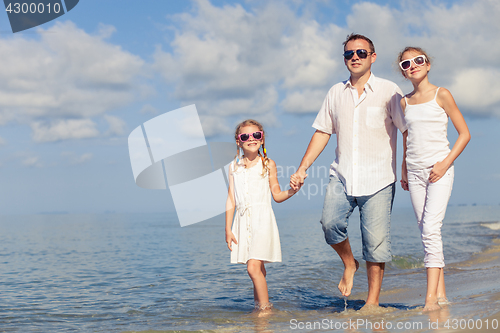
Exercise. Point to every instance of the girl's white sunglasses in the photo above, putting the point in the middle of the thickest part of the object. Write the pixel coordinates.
(418, 60)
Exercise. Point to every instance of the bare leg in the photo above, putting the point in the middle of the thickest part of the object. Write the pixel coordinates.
(441, 289)
(433, 274)
(375, 274)
(257, 273)
(351, 265)
(263, 270)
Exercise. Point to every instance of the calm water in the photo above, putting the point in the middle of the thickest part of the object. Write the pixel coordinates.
(116, 273)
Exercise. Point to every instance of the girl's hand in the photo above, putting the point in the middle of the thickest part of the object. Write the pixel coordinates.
(438, 171)
(230, 239)
(404, 169)
(295, 182)
(404, 183)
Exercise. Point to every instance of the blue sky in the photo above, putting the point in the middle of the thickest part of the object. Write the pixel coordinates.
(73, 89)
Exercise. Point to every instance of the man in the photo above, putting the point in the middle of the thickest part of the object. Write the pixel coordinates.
(364, 112)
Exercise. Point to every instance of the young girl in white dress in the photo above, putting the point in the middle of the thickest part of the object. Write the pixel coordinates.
(427, 170)
(253, 238)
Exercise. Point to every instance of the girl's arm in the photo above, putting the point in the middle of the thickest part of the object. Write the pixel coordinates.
(446, 101)
(230, 205)
(278, 194)
(404, 170)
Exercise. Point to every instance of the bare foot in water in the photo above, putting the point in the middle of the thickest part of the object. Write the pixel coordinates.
(264, 313)
(431, 306)
(443, 301)
(346, 282)
(370, 309)
(263, 310)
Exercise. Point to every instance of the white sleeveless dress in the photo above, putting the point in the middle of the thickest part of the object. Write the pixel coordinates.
(254, 224)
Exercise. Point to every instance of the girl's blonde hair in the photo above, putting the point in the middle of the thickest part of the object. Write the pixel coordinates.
(263, 155)
(414, 49)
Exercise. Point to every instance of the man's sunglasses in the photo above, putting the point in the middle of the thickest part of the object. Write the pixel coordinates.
(245, 136)
(418, 60)
(362, 54)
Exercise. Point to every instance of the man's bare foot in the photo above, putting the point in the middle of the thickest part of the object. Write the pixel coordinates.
(346, 282)
(370, 308)
(431, 306)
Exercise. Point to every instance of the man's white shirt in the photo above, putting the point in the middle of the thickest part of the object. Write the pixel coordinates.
(366, 131)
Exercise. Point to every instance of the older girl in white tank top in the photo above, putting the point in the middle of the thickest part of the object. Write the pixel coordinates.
(427, 170)
(427, 141)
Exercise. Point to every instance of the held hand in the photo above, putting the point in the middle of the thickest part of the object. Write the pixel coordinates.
(295, 184)
(438, 171)
(297, 180)
(230, 239)
(404, 182)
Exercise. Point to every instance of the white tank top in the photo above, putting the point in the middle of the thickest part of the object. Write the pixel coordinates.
(427, 141)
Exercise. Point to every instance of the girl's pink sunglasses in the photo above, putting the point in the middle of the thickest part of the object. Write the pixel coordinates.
(245, 136)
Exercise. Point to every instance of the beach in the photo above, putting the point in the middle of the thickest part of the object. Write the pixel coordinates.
(144, 273)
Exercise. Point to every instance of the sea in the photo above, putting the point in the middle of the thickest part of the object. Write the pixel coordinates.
(145, 273)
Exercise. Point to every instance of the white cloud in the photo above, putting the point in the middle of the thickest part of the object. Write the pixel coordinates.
(117, 126)
(304, 101)
(235, 62)
(232, 62)
(65, 73)
(478, 89)
(106, 31)
(461, 39)
(386, 27)
(32, 161)
(149, 109)
(64, 130)
(74, 159)
(2, 142)
(212, 126)
(313, 55)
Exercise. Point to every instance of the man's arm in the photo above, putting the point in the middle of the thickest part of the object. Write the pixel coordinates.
(397, 105)
(318, 142)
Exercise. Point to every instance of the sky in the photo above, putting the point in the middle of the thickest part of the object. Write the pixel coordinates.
(73, 89)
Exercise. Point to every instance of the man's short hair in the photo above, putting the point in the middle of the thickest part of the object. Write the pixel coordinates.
(355, 36)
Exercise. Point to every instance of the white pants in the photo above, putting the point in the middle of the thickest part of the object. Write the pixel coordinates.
(429, 202)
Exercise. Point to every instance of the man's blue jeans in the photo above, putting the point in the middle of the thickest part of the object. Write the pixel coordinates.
(375, 216)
